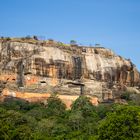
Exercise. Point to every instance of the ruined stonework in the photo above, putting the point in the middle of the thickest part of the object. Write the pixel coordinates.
(65, 69)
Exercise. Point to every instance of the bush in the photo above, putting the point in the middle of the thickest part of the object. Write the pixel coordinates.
(28, 37)
(135, 99)
(84, 105)
(18, 105)
(38, 113)
(73, 42)
(123, 124)
(35, 37)
(126, 96)
(103, 110)
(55, 107)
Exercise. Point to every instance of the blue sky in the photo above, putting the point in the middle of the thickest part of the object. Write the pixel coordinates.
(114, 24)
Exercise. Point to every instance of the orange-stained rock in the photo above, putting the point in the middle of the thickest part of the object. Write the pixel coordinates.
(24, 95)
(2, 98)
(94, 100)
(8, 77)
(37, 97)
(31, 80)
(32, 62)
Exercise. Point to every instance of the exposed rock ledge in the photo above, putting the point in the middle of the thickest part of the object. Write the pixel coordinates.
(38, 97)
(70, 70)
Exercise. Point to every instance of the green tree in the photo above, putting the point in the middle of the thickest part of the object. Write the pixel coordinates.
(35, 37)
(126, 95)
(18, 105)
(84, 105)
(15, 125)
(122, 124)
(55, 107)
(23, 132)
(83, 116)
(38, 113)
(73, 42)
(6, 130)
(76, 120)
(103, 110)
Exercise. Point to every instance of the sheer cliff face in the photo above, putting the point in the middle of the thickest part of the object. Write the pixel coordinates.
(104, 65)
(53, 60)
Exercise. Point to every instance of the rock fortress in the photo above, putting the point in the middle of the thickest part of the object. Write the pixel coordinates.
(33, 70)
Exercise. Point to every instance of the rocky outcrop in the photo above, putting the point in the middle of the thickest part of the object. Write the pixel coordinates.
(59, 66)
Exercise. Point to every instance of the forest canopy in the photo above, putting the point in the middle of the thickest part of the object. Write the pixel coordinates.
(20, 120)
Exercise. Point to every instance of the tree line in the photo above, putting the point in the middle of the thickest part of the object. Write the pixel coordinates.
(20, 120)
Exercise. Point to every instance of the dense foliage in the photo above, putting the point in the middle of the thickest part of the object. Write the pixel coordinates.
(122, 124)
(20, 120)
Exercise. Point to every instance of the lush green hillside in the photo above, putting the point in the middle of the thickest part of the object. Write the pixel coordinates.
(20, 120)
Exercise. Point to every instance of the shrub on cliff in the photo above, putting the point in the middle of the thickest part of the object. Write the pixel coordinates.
(126, 96)
(73, 42)
(135, 99)
(28, 37)
(35, 37)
